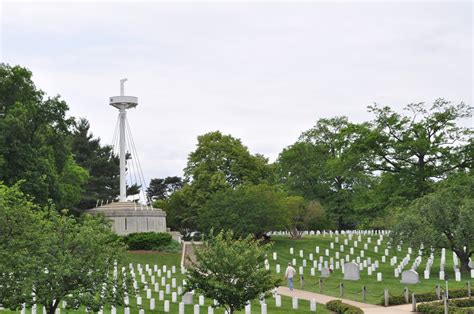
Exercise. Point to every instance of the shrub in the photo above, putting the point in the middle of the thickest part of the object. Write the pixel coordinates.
(343, 308)
(455, 306)
(430, 308)
(147, 240)
(424, 297)
(462, 303)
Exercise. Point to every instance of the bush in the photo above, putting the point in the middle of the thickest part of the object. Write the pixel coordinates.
(424, 297)
(147, 240)
(343, 308)
(455, 306)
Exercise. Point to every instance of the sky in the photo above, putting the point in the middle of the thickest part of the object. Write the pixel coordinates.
(263, 72)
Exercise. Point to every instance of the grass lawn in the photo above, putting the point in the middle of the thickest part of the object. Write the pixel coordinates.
(171, 259)
(375, 289)
(281, 245)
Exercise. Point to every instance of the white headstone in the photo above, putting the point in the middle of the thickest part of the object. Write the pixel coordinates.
(278, 300)
(410, 277)
(196, 308)
(351, 271)
(152, 304)
(248, 309)
(294, 303)
(325, 272)
(457, 275)
(312, 305)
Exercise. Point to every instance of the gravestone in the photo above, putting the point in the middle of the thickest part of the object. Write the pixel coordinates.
(351, 271)
(325, 272)
(410, 277)
(188, 298)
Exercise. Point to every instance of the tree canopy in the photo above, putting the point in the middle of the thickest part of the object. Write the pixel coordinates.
(254, 209)
(56, 256)
(34, 141)
(442, 219)
(101, 163)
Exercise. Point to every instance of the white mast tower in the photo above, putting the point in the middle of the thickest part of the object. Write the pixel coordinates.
(122, 103)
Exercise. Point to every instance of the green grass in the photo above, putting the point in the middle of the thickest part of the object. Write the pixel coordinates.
(281, 245)
(170, 259)
(375, 289)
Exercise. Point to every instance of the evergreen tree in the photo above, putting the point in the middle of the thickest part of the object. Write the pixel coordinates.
(100, 161)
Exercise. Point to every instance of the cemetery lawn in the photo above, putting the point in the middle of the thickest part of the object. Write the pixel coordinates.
(170, 259)
(375, 289)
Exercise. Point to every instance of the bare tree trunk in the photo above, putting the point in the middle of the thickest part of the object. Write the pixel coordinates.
(52, 307)
(464, 258)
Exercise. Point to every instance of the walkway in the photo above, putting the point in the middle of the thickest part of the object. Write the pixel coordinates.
(323, 299)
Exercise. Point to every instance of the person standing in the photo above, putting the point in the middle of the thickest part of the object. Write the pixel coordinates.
(289, 275)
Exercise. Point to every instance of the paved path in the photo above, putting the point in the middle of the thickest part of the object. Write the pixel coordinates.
(323, 299)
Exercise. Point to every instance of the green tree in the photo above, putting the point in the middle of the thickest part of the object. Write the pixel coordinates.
(160, 189)
(101, 163)
(254, 209)
(303, 215)
(327, 165)
(222, 162)
(56, 256)
(181, 215)
(421, 147)
(230, 271)
(34, 141)
(442, 219)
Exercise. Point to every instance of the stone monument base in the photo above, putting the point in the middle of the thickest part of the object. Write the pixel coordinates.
(130, 217)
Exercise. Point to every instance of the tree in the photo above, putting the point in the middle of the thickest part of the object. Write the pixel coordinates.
(56, 256)
(230, 271)
(303, 215)
(326, 165)
(254, 209)
(221, 162)
(160, 189)
(442, 219)
(101, 163)
(34, 141)
(181, 215)
(420, 148)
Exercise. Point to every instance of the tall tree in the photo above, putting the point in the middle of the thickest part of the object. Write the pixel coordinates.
(56, 256)
(100, 161)
(230, 271)
(34, 141)
(421, 147)
(254, 209)
(221, 162)
(442, 219)
(326, 164)
(160, 189)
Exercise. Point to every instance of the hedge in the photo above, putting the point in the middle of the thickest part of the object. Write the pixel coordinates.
(343, 308)
(147, 240)
(424, 297)
(455, 306)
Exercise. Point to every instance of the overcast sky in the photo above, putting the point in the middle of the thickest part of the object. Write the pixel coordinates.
(263, 72)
